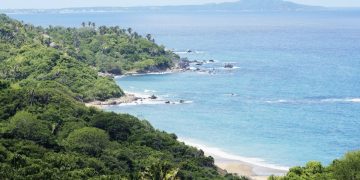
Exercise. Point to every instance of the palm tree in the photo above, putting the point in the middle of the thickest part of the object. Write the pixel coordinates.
(136, 35)
(160, 171)
(102, 30)
(148, 37)
(83, 24)
(117, 30)
(129, 30)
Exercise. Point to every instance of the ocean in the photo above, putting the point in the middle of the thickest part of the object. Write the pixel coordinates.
(292, 96)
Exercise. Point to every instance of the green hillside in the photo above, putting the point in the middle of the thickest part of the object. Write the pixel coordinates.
(46, 132)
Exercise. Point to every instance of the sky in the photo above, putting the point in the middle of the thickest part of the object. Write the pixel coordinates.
(46, 4)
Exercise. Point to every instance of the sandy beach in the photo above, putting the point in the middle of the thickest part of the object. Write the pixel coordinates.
(253, 168)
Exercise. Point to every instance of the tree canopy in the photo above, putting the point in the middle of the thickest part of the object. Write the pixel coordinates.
(347, 167)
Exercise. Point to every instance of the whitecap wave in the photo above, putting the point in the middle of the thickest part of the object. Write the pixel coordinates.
(119, 76)
(199, 52)
(142, 103)
(314, 101)
(180, 52)
(355, 100)
(344, 100)
(151, 73)
(189, 52)
(149, 91)
(231, 94)
(223, 68)
(154, 102)
(277, 101)
(160, 73)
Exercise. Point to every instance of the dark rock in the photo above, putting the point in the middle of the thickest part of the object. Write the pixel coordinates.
(182, 101)
(211, 60)
(228, 66)
(167, 102)
(153, 97)
(184, 63)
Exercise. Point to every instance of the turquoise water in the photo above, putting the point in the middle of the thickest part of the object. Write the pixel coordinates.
(294, 97)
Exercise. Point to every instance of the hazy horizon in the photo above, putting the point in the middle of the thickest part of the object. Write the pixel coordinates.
(42, 4)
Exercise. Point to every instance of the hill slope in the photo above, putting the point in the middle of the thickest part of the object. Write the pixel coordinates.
(46, 132)
(263, 5)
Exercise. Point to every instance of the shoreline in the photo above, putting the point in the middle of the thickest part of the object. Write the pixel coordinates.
(180, 67)
(253, 168)
(132, 99)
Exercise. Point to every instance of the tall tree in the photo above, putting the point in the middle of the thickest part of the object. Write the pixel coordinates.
(129, 30)
(148, 37)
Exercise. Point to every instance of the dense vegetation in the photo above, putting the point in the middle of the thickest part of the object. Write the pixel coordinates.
(111, 49)
(46, 132)
(26, 59)
(346, 168)
(73, 56)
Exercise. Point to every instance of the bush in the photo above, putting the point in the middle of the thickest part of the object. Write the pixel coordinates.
(24, 125)
(88, 140)
(4, 84)
(348, 167)
(118, 126)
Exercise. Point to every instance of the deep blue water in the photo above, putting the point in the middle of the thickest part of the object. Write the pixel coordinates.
(295, 96)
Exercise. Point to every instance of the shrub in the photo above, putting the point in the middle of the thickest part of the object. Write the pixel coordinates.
(88, 140)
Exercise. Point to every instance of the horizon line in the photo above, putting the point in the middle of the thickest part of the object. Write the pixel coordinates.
(174, 5)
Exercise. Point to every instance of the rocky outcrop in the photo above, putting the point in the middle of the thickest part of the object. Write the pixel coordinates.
(229, 66)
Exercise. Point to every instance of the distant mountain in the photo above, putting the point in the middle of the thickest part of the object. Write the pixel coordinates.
(241, 5)
(262, 5)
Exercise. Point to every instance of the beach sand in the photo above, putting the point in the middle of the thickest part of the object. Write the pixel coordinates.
(251, 167)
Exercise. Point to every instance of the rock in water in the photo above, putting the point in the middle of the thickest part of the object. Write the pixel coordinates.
(228, 66)
(153, 97)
